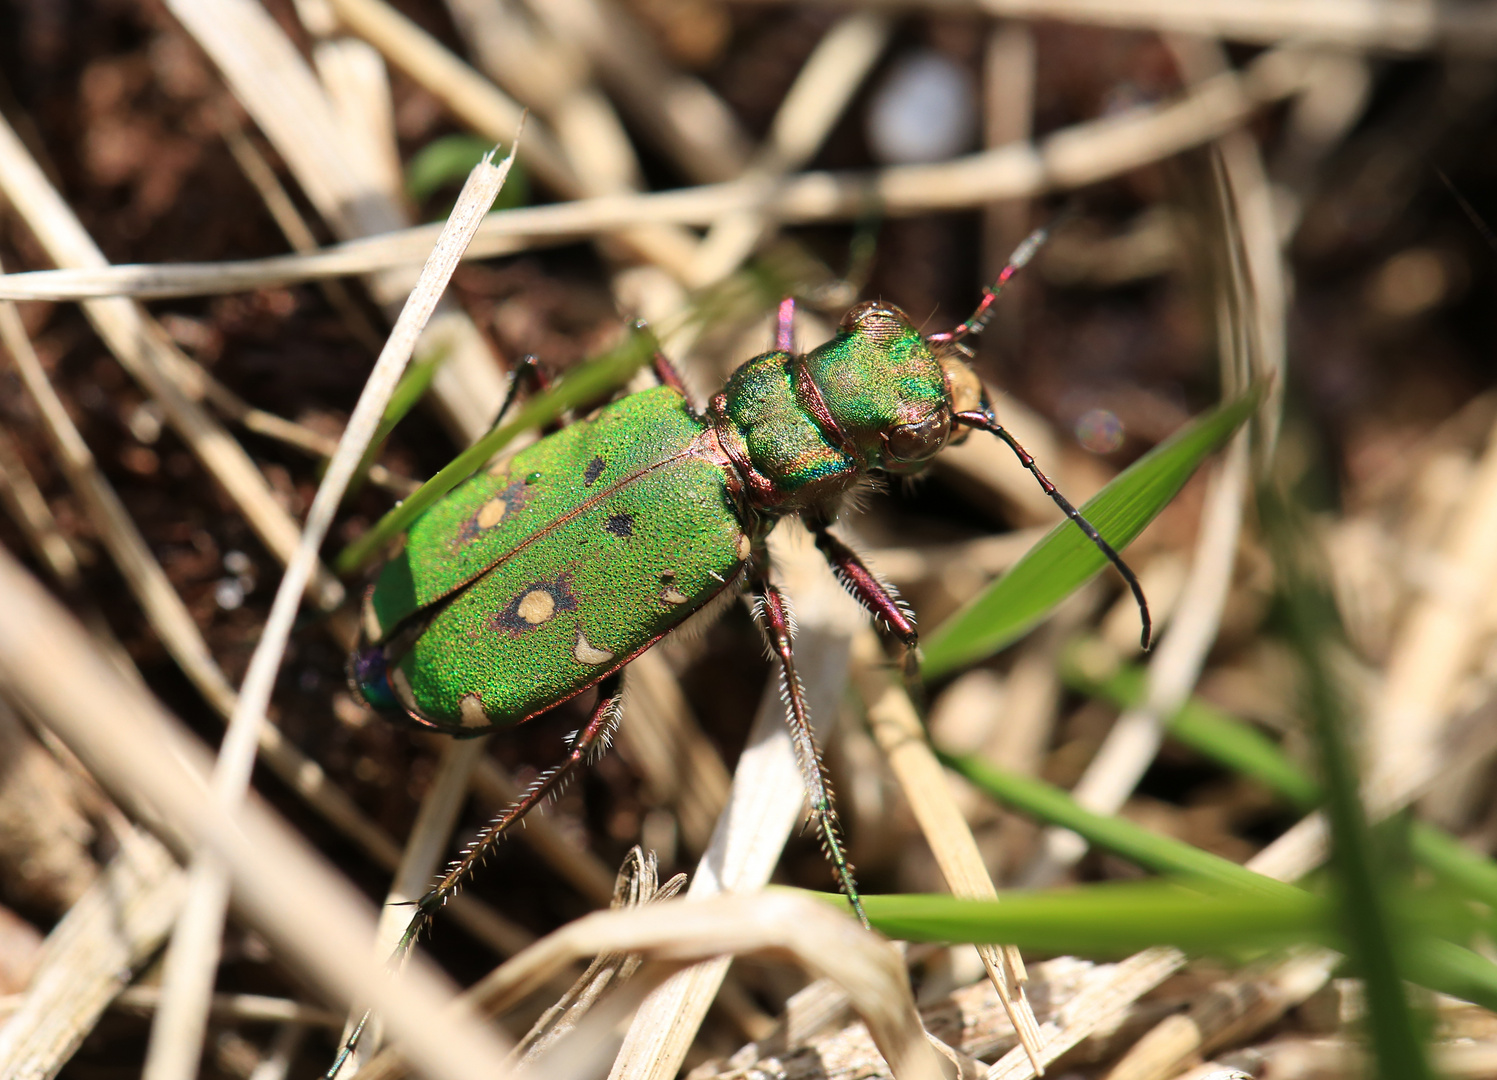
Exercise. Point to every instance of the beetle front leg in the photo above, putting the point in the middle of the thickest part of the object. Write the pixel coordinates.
(772, 612)
(873, 594)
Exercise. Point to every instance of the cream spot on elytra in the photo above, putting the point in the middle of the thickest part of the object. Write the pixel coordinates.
(587, 653)
(744, 547)
(491, 513)
(470, 712)
(673, 595)
(537, 606)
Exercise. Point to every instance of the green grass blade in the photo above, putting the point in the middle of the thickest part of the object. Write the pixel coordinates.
(1113, 919)
(1202, 727)
(1238, 745)
(1377, 941)
(408, 392)
(1161, 854)
(1065, 559)
(448, 160)
(586, 383)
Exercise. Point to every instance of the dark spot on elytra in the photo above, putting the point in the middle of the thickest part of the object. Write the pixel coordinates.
(620, 524)
(514, 616)
(594, 470)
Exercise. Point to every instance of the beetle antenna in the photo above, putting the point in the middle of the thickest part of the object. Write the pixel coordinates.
(986, 421)
(978, 321)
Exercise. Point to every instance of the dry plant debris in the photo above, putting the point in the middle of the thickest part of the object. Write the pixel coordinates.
(205, 225)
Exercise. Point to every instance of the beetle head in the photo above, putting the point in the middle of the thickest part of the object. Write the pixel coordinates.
(889, 396)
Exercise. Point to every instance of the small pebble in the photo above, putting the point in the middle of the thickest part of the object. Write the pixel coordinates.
(925, 110)
(1100, 431)
(229, 594)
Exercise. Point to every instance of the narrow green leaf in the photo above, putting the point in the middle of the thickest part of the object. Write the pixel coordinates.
(1202, 727)
(1238, 745)
(449, 160)
(1161, 854)
(1113, 919)
(1064, 560)
(1378, 941)
(410, 390)
(586, 383)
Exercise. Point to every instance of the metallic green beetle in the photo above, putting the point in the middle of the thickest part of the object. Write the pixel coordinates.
(547, 574)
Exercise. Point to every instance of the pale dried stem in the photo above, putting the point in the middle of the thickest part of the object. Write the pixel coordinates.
(28, 507)
(574, 863)
(663, 739)
(823, 941)
(816, 100)
(897, 729)
(472, 98)
(250, 1008)
(1350, 24)
(1073, 157)
(143, 349)
(174, 625)
(551, 77)
(680, 113)
(1227, 1012)
(817, 1034)
(146, 760)
(177, 1033)
(344, 177)
(288, 219)
(1008, 69)
(90, 955)
(1250, 332)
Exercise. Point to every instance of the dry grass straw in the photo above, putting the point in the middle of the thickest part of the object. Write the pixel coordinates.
(678, 112)
(679, 763)
(1349, 24)
(1083, 154)
(816, 936)
(177, 1034)
(570, 166)
(253, 1008)
(115, 927)
(159, 773)
(177, 630)
(900, 735)
(816, 100)
(28, 508)
(344, 176)
(143, 349)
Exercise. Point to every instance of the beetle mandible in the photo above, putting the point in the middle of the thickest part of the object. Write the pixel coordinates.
(546, 574)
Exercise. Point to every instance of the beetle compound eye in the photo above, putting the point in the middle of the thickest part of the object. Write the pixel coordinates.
(877, 321)
(920, 440)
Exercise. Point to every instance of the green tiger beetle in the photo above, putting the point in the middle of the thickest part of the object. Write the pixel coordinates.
(546, 574)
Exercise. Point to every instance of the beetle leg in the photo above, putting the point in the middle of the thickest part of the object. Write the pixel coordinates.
(875, 595)
(595, 734)
(528, 375)
(670, 375)
(784, 334)
(772, 612)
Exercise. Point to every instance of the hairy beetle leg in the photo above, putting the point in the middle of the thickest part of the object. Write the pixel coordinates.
(879, 598)
(772, 612)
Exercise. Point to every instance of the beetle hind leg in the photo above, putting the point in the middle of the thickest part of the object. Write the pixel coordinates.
(594, 736)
